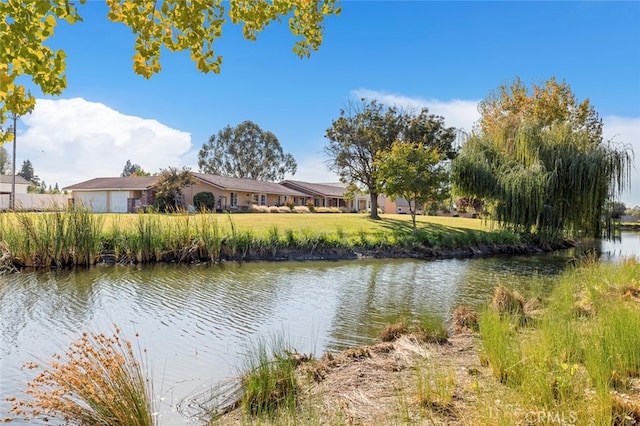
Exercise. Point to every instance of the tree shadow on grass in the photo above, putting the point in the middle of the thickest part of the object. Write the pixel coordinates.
(405, 227)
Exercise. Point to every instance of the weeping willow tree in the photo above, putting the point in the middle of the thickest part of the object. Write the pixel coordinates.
(549, 178)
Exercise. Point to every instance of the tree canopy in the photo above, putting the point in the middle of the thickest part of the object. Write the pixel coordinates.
(246, 151)
(131, 169)
(413, 172)
(174, 25)
(172, 180)
(366, 130)
(510, 106)
(28, 173)
(540, 163)
(5, 164)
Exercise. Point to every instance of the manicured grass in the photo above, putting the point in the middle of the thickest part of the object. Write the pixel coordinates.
(351, 223)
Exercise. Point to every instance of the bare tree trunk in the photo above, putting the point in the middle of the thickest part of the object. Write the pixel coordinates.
(374, 205)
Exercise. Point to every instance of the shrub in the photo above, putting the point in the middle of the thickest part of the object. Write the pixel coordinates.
(290, 204)
(311, 206)
(204, 201)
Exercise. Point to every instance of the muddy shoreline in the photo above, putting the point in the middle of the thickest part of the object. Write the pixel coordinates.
(403, 253)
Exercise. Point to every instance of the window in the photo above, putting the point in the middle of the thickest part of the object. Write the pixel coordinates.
(263, 199)
(278, 200)
(255, 199)
(233, 199)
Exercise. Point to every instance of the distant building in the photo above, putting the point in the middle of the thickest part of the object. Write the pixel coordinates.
(6, 181)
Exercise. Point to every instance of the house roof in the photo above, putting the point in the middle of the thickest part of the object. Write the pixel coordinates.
(321, 189)
(115, 183)
(247, 185)
(9, 179)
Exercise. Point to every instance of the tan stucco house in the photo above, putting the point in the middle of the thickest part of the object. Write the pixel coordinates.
(114, 194)
(329, 195)
(129, 194)
(238, 194)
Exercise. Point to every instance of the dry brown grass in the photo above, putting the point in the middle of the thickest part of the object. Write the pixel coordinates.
(98, 381)
(392, 332)
(465, 319)
(507, 302)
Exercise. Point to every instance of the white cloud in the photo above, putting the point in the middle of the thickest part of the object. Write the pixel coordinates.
(72, 140)
(458, 113)
(626, 130)
(313, 169)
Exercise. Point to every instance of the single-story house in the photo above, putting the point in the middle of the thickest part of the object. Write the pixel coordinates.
(114, 194)
(329, 195)
(6, 182)
(26, 201)
(129, 194)
(394, 206)
(238, 194)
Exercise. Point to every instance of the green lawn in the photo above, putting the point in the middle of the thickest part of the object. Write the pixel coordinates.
(349, 223)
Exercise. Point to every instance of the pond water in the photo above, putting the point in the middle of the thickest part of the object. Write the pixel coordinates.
(197, 322)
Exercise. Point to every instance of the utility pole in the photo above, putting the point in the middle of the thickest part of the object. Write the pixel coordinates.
(12, 203)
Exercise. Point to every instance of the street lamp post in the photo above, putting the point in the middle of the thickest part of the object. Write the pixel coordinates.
(12, 204)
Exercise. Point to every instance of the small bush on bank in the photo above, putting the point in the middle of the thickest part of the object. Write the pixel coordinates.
(465, 319)
(393, 331)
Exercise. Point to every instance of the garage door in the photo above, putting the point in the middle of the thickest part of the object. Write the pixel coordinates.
(95, 200)
(119, 201)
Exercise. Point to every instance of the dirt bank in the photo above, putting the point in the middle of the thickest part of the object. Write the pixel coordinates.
(400, 252)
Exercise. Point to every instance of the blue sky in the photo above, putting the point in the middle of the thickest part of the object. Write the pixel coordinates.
(443, 55)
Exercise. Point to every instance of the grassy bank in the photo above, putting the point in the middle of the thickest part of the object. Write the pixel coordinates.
(569, 357)
(81, 238)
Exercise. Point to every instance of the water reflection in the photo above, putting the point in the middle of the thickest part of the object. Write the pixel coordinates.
(197, 321)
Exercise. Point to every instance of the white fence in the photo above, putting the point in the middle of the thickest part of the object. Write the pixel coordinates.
(37, 202)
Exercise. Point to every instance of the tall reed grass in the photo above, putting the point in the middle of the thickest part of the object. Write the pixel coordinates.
(268, 380)
(579, 353)
(79, 237)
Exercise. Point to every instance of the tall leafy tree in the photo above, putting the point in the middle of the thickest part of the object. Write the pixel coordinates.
(413, 172)
(132, 170)
(27, 172)
(173, 25)
(540, 163)
(245, 151)
(5, 165)
(365, 130)
(506, 109)
(169, 188)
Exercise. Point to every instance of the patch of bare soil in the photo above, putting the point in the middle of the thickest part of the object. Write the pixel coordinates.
(377, 385)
